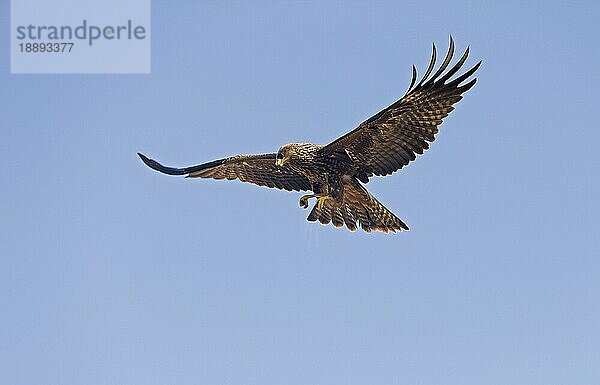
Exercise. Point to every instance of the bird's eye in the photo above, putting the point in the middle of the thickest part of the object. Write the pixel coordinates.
(279, 155)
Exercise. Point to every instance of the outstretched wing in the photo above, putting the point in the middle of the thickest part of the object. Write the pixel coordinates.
(257, 169)
(390, 139)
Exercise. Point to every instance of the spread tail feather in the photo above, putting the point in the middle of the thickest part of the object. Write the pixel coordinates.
(357, 205)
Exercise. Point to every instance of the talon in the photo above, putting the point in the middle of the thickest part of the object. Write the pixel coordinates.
(304, 200)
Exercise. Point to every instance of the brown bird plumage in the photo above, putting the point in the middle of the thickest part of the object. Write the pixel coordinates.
(379, 146)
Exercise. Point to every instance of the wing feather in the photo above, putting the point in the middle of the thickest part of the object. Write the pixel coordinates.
(429, 68)
(390, 139)
(257, 169)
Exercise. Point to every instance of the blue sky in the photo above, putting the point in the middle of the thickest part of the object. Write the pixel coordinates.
(113, 274)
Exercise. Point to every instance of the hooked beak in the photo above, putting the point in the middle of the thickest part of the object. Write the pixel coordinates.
(282, 162)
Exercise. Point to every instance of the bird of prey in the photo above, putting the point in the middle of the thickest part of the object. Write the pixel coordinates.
(336, 172)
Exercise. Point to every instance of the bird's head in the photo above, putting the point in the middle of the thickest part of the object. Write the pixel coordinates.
(285, 154)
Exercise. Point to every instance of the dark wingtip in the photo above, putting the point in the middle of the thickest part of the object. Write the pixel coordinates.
(143, 157)
(159, 167)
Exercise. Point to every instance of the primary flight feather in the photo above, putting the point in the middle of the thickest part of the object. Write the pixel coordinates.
(379, 146)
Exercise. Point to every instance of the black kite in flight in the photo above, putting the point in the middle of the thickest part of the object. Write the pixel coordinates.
(379, 146)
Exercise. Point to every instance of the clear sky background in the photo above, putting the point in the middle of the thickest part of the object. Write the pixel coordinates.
(111, 273)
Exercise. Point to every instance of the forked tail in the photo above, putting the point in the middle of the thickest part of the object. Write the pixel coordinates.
(357, 205)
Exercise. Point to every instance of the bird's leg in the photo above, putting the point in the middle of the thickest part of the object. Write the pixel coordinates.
(305, 198)
(322, 199)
